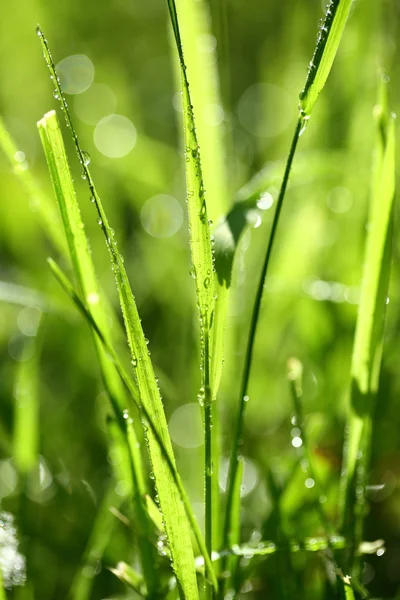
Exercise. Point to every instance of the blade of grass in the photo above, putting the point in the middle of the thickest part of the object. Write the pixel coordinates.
(2, 590)
(328, 41)
(195, 25)
(78, 245)
(203, 273)
(175, 519)
(331, 29)
(26, 411)
(369, 335)
(39, 202)
(65, 284)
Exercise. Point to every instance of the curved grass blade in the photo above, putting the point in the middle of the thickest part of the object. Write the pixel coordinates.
(84, 271)
(176, 524)
(66, 285)
(369, 335)
(39, 202)
(328, 41)
(322, 62)
(203, 273)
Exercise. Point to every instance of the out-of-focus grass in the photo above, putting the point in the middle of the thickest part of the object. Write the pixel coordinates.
(311, 296)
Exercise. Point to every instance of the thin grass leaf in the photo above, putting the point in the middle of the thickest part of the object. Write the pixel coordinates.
(176, 524)
(65, 284)
(39, 202)
(369, 335)
(203, 273)
(328, 41)
(327, 45)
(2, 590)
(102, 530)
(26, 411)
(84, 271)
(195, 25)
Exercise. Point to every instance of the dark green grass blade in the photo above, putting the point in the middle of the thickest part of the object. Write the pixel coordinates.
(369, 336)
(321, 64)
(65, 284)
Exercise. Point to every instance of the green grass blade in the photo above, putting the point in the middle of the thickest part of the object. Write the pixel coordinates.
(203, 273)
(369, 335)
(325, 52)
(84, 271)
(2, 590)
(40, 203)
(26, 414)
(329, 37)
(66, 285)
(128, 575)
(195, 25)
(176, 523)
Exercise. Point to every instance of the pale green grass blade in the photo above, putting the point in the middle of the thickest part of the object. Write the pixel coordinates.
(26, 413)
(65, 284)
(102, 530)
(196, 32)
(84, 271)
(203, 274)
(329, 37)
(2, 590)
(39, 202)
(175, 519)
(369, 335)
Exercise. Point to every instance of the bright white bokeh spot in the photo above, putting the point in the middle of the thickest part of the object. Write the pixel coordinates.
(213, 114)
(297, 442)
(177, 102)
(40, 487)
(249, 480)
(94, 104)
(115, 136)
(206, 43)
(8, 478)
(28, 320)
(161, 216)
(265, 201)
(185, 426)
(265, 110)
(76, 73)
(309, 483)
(339, 200)
(93, 298)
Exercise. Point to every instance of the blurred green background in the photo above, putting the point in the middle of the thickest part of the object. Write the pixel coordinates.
(118, 59)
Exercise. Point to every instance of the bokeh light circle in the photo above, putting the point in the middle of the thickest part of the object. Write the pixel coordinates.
(161, 216)
(115, 136)
(76, 73)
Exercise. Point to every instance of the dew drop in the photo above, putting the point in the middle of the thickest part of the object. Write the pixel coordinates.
(207, 283)
(192, 271)
(99, 222)
(92, 199)
(85, 158)
(56, 95)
